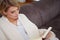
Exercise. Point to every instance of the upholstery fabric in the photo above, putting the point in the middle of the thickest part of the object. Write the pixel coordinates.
(44, 13)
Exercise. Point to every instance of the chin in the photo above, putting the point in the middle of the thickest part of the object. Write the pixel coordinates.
(15, 18)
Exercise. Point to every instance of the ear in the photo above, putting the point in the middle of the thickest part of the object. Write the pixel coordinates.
(4, 13)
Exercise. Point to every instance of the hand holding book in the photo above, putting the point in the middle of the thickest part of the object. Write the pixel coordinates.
(47, 32)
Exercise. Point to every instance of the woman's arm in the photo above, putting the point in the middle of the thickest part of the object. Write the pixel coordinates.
(50, 36)
(2, 36)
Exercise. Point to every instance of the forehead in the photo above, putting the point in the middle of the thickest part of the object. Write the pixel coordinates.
(12, 8)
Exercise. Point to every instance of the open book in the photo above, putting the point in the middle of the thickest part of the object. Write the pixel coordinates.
(47, 31)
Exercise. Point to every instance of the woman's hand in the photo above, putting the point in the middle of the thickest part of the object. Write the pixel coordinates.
(49, 35)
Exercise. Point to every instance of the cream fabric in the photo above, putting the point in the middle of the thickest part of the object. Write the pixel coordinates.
(8, 31)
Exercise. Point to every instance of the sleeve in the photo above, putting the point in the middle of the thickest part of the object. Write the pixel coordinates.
(37, 38)
(53, 36)
(2, 36)
(41, 32)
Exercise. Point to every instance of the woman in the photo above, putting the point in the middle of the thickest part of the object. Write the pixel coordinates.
(15, 26)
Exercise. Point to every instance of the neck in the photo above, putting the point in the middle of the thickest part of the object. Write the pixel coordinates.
(14, 21)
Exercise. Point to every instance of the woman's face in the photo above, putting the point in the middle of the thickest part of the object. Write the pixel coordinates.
(12, 12)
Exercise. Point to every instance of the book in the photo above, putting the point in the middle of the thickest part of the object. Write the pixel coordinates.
(47, 31)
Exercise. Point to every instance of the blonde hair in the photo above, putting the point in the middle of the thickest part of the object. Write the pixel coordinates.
(5, 4)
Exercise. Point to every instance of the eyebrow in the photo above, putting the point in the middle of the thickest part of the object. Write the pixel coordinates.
(14, 10)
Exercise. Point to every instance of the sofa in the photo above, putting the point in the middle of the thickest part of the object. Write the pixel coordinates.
(44, 13)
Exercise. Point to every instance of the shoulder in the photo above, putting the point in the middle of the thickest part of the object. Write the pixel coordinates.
(25, 18)
(0, 19)
(22, 15)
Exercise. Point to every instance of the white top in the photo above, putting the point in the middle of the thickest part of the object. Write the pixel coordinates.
(13, 32)
(22, 30)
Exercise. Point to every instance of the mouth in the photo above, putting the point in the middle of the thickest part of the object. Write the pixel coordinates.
(16, 16)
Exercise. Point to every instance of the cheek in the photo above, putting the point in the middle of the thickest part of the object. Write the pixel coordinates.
(9, 15)
(13, 16)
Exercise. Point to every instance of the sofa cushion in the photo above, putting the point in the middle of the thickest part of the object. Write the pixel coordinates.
(41, 12)
(32, 13)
